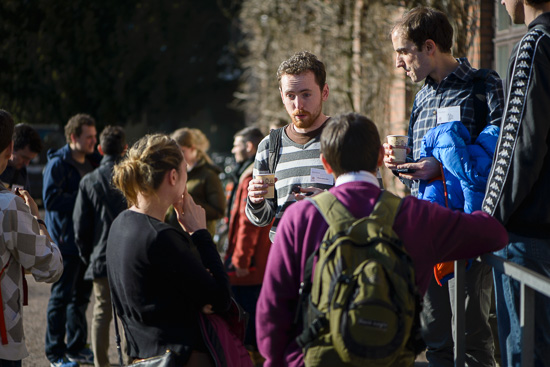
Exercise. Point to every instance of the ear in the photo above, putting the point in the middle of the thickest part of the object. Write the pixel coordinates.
(380, 156)
(326, 165)
(324, 92)
(282, 96)
(73, 137)
(100, 150)
(249, 147)
(430, 46)
(173, 176)
(125, 149)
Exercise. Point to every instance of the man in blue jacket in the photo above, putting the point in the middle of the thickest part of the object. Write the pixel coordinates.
(70, 295)
(422, 40)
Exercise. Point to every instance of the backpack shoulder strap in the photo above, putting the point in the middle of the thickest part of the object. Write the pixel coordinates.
(275, 143)
(333, 211)
(384, 212)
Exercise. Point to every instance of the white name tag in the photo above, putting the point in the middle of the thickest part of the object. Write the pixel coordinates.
(448, 114)
(321, 176)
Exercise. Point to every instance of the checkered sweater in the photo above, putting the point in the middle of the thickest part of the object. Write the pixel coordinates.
(21, 245)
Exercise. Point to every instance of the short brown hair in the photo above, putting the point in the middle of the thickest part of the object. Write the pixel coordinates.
(421, 24)
(145, 165)
(301, 62)
(250, 134)
(24, 135)
(350, 143)
(6, 129)
(74, 126)
(112, 140)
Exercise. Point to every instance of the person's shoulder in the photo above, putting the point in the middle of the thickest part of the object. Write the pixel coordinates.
(11, 202)
(302, 211)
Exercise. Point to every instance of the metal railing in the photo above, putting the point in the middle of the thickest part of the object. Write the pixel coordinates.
(530, 282)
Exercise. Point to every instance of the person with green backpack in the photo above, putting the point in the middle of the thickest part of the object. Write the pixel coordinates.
(354, 302)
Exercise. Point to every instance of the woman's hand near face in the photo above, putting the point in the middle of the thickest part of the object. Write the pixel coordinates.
(191, 216)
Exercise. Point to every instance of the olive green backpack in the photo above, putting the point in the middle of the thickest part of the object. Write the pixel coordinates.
(362, 307)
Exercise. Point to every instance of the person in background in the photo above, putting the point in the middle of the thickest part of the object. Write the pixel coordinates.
(518, 191)
(422, 39)
(203, 181)
(248, 245)
(97, 205)
(161, 277)
(26, 146)
(25, 246)
(70, 295)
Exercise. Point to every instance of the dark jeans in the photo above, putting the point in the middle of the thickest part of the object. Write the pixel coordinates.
(69, 300)
(247, 297)
(533, 254)
(6, 363)
(437, 320)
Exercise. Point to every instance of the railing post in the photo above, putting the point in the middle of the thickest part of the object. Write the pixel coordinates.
(527, 324)
(459, 317)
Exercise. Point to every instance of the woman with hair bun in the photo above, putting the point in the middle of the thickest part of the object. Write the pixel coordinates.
(162, 277)
(203, 182)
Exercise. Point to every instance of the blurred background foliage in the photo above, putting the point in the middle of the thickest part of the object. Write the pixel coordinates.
(211, 64)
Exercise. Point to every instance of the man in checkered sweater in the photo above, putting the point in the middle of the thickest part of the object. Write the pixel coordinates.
(25, 246)
(422, 40)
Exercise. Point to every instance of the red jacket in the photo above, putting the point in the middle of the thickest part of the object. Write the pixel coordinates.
(247, 243)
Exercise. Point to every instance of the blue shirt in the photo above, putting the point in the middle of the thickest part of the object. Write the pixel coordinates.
(456, 89)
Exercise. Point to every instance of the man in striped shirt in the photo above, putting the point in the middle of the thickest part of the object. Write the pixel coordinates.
(299, 172)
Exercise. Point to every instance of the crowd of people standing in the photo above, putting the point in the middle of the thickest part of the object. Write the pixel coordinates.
(134, 226)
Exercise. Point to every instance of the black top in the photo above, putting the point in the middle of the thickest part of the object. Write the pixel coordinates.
(159, 282)
(97, 205)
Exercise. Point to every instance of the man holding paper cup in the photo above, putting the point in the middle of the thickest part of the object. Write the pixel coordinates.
(453, 91)
(299, 171)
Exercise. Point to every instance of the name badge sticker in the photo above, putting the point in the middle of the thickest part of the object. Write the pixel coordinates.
(321, 176)
(448, 114)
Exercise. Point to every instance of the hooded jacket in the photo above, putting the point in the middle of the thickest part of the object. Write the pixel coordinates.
(61, 180)
(97, 205)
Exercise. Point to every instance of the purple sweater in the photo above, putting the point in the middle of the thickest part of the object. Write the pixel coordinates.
(430, 233)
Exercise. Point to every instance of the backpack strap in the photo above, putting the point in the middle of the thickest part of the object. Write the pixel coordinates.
(480, 99)
(275, 143)
(332, 210)
(384, 212)
(335, 214)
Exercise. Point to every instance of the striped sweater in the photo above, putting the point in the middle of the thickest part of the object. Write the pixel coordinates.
(294, 168)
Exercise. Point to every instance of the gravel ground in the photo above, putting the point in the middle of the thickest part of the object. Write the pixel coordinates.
(34, 320)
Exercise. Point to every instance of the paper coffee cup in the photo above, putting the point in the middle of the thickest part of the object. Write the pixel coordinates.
(399, 155)
(268, 179)
(398, 140)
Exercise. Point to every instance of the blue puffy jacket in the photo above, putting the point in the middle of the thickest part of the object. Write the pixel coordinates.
(466, 166)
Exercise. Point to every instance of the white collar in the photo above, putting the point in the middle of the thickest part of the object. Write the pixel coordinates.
(363, 176)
